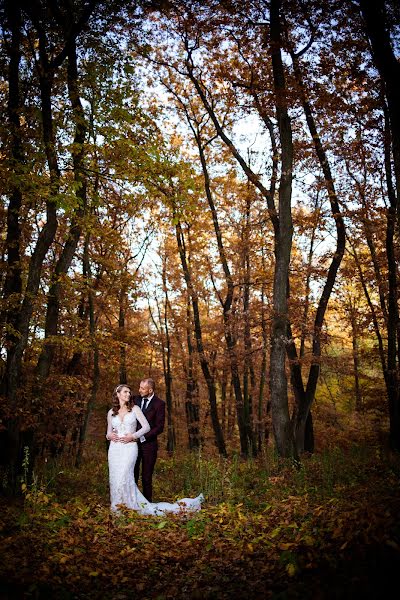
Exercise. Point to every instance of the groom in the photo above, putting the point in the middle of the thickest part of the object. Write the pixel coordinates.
(153, 409)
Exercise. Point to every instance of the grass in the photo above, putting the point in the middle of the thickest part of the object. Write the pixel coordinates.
(225, 480)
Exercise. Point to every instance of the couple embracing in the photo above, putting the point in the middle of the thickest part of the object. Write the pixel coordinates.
(132, 429)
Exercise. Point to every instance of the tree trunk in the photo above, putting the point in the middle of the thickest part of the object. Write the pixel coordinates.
(304, 321)
(283, 243)
(192, 389)
(208, 376)
(389, 69)
(388, 66)
(256, 181)
(13, 280)
(96, 360)
(248, 370)
(230, 337)
(262, 405)
(304, 399)
(356, 359)
(64, 262)
(122, 297)
(371, 307)
(15, 351)
(167, 367)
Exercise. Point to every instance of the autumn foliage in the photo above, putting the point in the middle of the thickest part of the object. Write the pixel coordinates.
(205, 193)
(325, 530)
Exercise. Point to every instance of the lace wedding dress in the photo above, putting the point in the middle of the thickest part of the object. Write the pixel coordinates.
(121, 463)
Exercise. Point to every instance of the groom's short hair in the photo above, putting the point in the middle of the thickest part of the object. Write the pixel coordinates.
(150, 382)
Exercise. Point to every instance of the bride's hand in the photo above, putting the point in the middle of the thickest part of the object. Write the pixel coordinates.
(127, 438)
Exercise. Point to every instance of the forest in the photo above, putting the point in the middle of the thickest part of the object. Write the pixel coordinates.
(206, 193)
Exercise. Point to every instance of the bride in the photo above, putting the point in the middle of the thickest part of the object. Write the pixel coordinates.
(123, 434)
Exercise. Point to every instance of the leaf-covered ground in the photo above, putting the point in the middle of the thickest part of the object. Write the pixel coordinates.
(329, 529)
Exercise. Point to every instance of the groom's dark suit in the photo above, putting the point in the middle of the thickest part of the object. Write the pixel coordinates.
(147, 450)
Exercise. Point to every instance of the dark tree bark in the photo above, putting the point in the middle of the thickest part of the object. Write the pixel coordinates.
(167, 367)
(376, 27)
(305, 396)
(248, 369)
(366, 221)
(64, 262)
(47, 64)
(95, 350)
(230, 336)
(283, 243)
(306, 308)
(165, 343)
(192, 388)
(283, 232)
(356, 353)
(122, 299)
(243, 415)
(16, 346)
(13, 279)
(253, 177)
(188, 365)
(392, 375)
(207, 372)
(375, 321)
(262, 432)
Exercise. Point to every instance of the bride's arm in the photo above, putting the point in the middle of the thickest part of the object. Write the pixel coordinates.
(134, 437)
(110, 435)
(143, 421)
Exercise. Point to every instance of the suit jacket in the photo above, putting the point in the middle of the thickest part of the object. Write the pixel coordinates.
(155, 414)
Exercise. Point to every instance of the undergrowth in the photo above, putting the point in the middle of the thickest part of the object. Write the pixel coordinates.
(268, 529)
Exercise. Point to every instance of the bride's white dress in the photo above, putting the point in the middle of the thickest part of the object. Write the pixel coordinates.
(121, 463)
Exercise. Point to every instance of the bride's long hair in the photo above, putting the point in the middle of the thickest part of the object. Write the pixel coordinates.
(115, 400)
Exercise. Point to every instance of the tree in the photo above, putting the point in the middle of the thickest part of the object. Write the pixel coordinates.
(48, 60)
(376, 26)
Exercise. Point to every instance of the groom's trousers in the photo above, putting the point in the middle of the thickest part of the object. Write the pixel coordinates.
(147, 456)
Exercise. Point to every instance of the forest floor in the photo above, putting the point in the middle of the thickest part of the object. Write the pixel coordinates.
(329, 529)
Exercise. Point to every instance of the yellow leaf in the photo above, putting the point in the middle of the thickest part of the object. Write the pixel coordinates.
(93, 574)
(308, 540)
(291, 569)
(275, 532)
